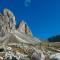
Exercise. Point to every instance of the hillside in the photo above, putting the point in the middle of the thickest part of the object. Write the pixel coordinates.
(20, 44)
(54, 38)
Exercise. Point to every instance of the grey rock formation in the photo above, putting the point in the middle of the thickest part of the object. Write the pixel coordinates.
(23, 27)
(8, 32)
(1, 26)
(7, 22)
(9, 19)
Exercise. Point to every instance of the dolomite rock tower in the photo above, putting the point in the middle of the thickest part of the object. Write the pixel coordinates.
(23, 28)
(7, 22)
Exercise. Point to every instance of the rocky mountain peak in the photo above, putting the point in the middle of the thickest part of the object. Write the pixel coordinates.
(7, 22)
(9, 19)
(23, 28)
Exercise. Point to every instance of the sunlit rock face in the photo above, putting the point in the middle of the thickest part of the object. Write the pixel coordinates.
(9, 19)
(7, 22)
(23, 27)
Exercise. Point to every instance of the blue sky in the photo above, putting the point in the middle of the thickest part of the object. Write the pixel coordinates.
(42, 16)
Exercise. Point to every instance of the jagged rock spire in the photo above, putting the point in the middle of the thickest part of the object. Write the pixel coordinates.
(8, 23)
(23, 27)
(9, 19)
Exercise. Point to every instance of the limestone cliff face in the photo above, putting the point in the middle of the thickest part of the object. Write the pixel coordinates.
(7, 22)
(8, 32)
(9, 19)
(23, 27)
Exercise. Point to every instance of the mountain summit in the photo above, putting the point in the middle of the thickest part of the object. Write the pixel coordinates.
(23, 28)
(7, 21)
(9, 33)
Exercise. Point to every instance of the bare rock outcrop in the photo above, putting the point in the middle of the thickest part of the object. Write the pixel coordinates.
(9, 19)
(23, 27)
(7, 24)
